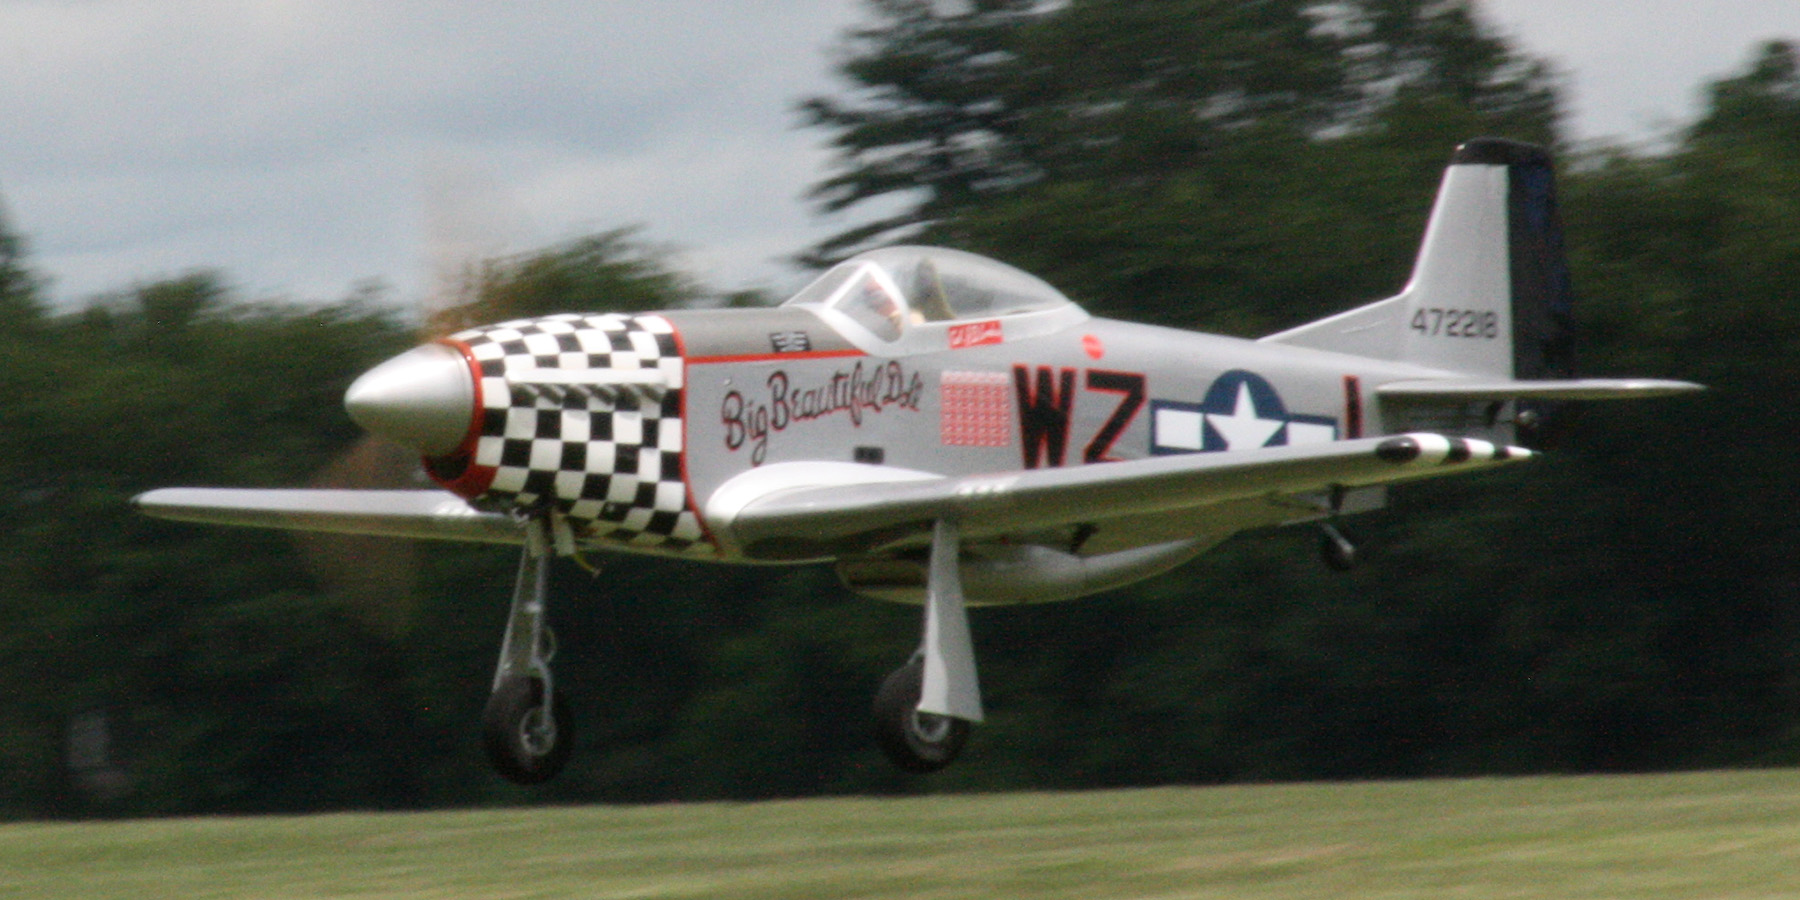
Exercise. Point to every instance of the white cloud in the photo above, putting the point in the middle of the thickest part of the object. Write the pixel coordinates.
(1639, 68)
(297, 144)
(303, 145)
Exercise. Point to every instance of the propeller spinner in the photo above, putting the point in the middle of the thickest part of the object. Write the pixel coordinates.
(423, 399)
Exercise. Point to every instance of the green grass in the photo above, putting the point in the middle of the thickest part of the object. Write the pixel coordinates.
(1712, 835)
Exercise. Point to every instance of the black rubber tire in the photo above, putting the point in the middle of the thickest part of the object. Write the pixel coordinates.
(513, 731)
(915, 742)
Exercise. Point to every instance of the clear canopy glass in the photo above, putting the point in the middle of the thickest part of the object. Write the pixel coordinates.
(888, 289)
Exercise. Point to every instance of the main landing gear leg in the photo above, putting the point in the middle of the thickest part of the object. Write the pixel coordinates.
(526, 728)
(924, 708)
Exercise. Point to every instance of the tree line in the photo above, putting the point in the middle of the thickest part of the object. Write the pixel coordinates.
(1630, 602)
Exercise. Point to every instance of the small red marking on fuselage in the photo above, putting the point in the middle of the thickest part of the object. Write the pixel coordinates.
(1353, 407)
(976, 334)
(1092, 346)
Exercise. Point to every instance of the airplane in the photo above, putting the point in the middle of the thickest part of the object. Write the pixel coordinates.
(949, 431)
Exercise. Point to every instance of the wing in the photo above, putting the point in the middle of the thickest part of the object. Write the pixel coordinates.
(784, 512)
(436, 515)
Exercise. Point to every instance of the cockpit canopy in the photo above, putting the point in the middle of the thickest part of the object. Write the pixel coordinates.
(889, 289)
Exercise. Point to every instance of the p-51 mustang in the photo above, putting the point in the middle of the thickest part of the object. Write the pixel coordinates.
(950, 431)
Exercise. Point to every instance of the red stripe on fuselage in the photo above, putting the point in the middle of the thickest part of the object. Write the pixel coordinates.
(687, 481)
(1353, 407)
(474, 480)
(768, 357)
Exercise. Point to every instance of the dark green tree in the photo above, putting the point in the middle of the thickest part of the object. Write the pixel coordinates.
(21, 303)
(1628, 602)
(610, 271)
(1152, 157)
(933, 117)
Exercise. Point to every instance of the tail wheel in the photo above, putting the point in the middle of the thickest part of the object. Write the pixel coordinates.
(528, 737)
(915, 741)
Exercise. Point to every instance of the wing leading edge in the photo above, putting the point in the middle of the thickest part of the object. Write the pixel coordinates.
(433, 515)
(765, 514)
(803, 511)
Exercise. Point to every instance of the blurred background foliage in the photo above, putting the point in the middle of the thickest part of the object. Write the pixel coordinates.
(1631, 602)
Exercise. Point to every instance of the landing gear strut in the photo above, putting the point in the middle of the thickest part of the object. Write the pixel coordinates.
(924, 708)
(526, 728)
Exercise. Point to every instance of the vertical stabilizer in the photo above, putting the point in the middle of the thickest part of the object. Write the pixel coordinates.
(1489, 294)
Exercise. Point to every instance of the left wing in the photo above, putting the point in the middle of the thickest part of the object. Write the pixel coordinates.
(782, 511)
(813, 510)
(436, 515)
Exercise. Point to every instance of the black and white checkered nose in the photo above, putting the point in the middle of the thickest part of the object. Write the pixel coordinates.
(423, 399)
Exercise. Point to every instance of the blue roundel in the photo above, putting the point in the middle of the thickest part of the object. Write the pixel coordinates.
(1240, 411)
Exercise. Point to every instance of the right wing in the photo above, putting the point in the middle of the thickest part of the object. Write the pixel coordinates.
(815, 510)
(435, 515)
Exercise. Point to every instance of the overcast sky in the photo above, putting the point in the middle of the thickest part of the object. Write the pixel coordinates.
(304, 146)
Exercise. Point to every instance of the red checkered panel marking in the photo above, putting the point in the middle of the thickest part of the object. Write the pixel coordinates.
(976, 409)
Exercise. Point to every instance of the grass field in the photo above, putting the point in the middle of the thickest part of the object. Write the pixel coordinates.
(1711, 835)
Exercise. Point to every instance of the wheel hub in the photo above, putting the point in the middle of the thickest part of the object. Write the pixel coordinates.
(537, 731)
(930, 728)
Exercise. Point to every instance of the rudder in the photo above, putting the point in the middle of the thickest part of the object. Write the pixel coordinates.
(1489, 294)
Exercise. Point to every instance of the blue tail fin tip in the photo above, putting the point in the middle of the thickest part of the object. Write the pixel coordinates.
(1493, 151)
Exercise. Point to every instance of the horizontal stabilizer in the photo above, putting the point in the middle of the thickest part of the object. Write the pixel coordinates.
(1455, 389)
(431, 515)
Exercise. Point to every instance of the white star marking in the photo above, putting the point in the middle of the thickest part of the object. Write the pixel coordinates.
(1244, 429)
